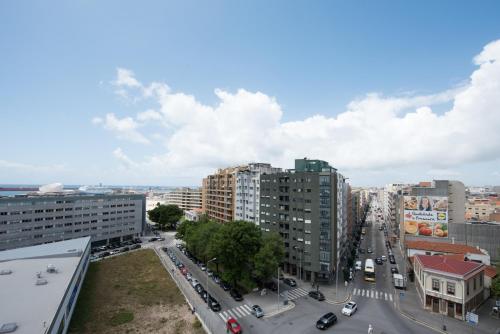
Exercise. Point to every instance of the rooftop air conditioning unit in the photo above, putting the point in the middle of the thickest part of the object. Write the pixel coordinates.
(41, 281)
(5, 272)
(51, 269)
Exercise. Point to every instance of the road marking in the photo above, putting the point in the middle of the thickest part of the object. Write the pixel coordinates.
(372, 294)
(224, 318)
(231, 314)
(248, 308)
(243, 311)
(390, 297)
(362, 292)
(386, 296)
(237, 311)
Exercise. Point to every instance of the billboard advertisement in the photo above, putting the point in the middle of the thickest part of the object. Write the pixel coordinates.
(426, 216)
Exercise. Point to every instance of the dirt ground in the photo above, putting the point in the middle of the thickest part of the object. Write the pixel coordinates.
(132, 293)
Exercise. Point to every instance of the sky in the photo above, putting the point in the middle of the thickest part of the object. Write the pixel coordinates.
(166, 92)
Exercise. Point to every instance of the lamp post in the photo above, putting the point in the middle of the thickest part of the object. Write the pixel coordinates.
(278, 287)
(208, 295)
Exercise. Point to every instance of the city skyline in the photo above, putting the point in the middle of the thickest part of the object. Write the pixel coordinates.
(148, 98)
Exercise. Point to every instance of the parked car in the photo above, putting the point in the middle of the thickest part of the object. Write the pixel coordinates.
(203, 267)
(290, 282)
(236, 295)
(160, 239)
(271, 286)
(233, 326)
(394, 270)
(349, 309)
(257, 311)
(361, 251)
(384, 258)
(189, 277)
(153, 239)
(358, 265)
(210, 273)
(369, 250)
(194, 282)
(199, 288)
(317, 295)
(136, 246)
(392, 259)
(216, 279)
(225, 286)
(379, 261)
(184, 271)
(326, 321)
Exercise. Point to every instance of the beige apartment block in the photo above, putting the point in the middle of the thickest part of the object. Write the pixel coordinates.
(185, 198)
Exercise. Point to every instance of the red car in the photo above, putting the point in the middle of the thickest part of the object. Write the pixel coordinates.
(184, 271)
(233, 326)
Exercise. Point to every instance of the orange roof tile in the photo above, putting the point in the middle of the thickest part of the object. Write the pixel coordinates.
(490, 271)
(448, 265)
(444, 247)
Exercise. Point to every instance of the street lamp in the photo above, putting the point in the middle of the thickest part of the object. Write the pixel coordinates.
(208, 295)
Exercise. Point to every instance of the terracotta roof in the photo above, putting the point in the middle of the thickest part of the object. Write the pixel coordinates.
(448, 265)
(444, 247)
(490, 271)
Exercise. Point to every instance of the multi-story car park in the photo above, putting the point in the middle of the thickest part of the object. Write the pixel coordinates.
(304, 206)
(39, 218)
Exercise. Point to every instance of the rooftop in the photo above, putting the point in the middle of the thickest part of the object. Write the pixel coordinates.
(448, 265)
(445, 247)
(33, 307)
(490, 271)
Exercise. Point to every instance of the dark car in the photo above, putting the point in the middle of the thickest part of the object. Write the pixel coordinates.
(326, 321)
(290, 282)
(135, 246)
(392, 259)
(199, 288)
(271, 286)
(225, 286)
(362, 251)
(213, 304)
(379, 261)
(316, 295)
(394, 270)
(236, 295)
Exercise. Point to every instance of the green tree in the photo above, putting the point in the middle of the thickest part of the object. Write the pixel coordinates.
(235, 244)
(269, 256)
(495, 284)
(165, 215)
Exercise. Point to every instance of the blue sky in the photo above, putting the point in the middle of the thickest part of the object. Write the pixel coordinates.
(59, 66)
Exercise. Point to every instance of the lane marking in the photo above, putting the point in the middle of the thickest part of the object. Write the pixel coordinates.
(390, 297)
(248, 308)
(231, 314)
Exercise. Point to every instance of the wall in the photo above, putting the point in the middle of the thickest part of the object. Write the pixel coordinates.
(486, 236)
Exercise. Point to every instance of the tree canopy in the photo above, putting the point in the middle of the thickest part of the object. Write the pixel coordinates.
(165, 215)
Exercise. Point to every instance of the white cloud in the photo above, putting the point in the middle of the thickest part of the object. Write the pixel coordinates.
(96, 120)
(375, 132)
(18, 166)
(123, 158)
(124, 128)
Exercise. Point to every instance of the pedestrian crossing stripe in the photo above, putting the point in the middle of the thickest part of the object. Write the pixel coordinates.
(372, 294)
(295, 293)
(235, 312)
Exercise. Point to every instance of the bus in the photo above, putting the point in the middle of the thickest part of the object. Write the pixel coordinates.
(363, 231)
(369, 270)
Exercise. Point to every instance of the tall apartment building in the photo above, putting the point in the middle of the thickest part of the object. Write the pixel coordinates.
(480, 208)
(247, 199)
(184, 198)
(36, 219)
(391, 202)
(307, 207)
(219, 192)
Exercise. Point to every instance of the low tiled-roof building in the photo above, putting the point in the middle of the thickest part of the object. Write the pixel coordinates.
(424, 247)
(449, 286)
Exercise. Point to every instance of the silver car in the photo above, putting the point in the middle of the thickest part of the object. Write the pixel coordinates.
(257, 311)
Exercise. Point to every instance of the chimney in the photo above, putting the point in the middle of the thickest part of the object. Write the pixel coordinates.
(453, 240)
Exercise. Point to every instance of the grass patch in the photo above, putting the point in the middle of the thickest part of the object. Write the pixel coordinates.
(115, 286)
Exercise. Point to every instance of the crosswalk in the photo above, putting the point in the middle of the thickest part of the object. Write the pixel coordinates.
(374, 294)
(294, 293)
(236, 312)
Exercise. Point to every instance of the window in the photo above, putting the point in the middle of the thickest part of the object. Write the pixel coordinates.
(435, 284)
(450, 288)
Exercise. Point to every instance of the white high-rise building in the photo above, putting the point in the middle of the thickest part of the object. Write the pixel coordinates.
(247, 199)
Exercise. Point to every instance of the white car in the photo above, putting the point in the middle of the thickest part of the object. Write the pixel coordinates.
(358, 265)
(194, 282)
(349, 309)
(384, 258)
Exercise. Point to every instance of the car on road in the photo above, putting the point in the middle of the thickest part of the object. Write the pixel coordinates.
(153, 239)
(236, 295)
(316, 295)
(394, 270)
(359, 265)
(384, 258)
(349, 309)
(290, 282)
(392, 259)
(378, 260)
(326, 321)
(203, 267)
(213, 304)
(369, 250)
(225, 286)
(137, 246)
(257, 311)
(233, 327)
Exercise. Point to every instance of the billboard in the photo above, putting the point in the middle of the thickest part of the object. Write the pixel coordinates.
(426, 216)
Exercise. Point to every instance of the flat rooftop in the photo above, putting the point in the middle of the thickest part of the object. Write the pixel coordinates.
(33, 307)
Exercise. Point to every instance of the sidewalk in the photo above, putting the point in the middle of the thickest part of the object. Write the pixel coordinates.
(268, 302)
(333, 295)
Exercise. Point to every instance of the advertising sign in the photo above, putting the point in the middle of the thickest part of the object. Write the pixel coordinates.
(426, 216)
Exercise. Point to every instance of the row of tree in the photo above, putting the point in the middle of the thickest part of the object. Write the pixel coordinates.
(242, 250)
(166, 216)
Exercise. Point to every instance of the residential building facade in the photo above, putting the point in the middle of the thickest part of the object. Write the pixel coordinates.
(36, 219)
(247, 198)
(306, 207)
(448, 286)
(184, 198)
